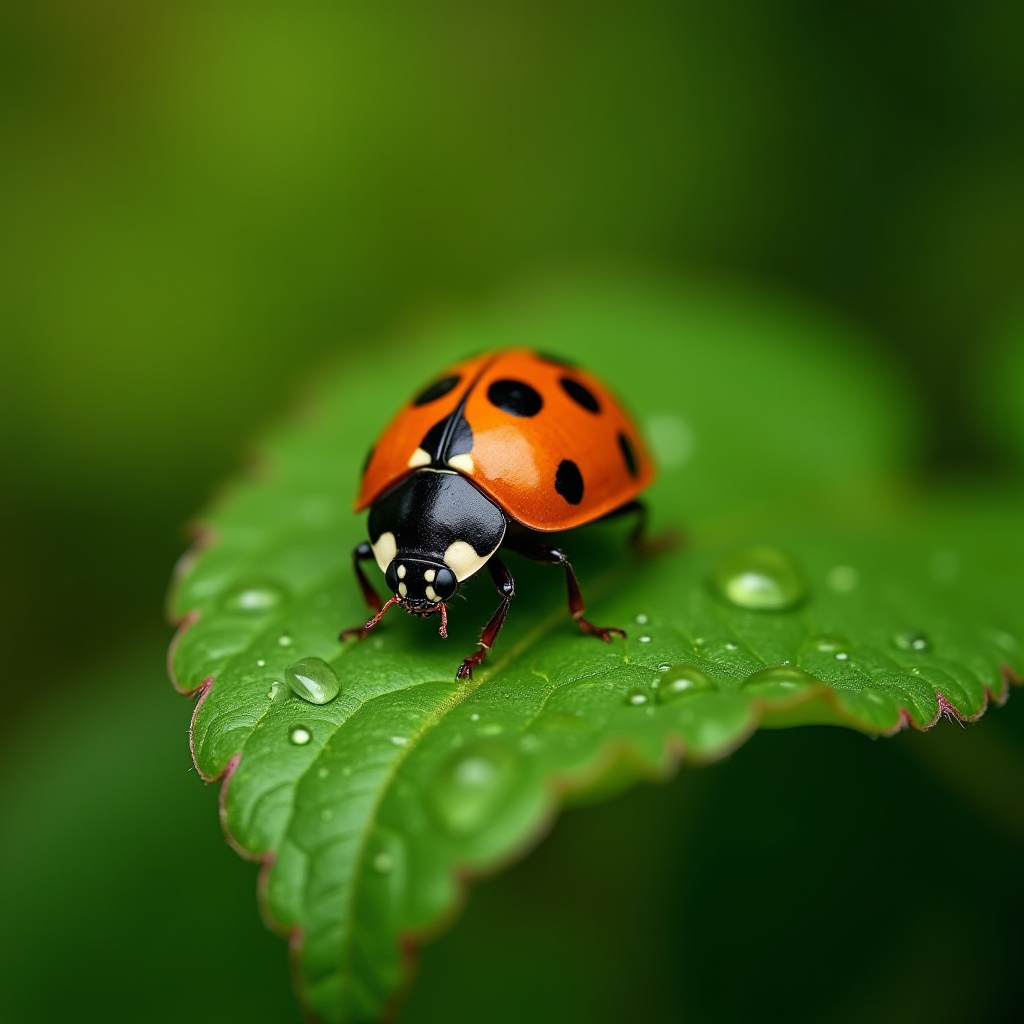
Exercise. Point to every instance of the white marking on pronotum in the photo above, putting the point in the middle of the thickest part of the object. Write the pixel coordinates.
(419, 458)
(462, 462)
(462, 559)
(430, 575)
(385, 549)
(431, 594)
(401, 572)
(403, 590)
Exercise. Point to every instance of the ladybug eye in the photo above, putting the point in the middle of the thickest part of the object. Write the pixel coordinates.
(445, 583)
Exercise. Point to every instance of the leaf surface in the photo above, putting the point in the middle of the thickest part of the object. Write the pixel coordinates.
(369, 809)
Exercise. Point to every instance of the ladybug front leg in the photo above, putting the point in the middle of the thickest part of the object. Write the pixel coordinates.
(363, 553)
(540, 552)
(507, 588)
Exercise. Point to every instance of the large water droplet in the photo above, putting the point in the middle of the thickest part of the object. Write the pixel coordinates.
(471, 786)
(253, 598)
(780, 677)
(911, 640)
(313, 679)
(760, 578)
(681, 680)
(300, 735)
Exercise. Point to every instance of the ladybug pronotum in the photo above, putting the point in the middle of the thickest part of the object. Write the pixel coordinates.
(500, 450)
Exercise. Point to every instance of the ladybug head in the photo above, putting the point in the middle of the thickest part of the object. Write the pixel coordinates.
(421, 585)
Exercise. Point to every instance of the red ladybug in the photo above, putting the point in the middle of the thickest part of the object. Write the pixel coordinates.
(499, 450)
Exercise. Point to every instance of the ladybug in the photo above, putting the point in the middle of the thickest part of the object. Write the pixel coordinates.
(497, 452)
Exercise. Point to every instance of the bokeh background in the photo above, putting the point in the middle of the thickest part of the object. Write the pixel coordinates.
(202, 205)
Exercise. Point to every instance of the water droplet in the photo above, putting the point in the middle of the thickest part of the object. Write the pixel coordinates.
(284, 640)
(313, 679)
(911, 640)
(474, 717)
(322, 773)
(275, 689)
(786, 677)
(730, 646)
(841, 656)
(681, 680)
(644, 639)
(637, 698)
(491, 729)
(399, 741)
(470, 788)
(253, 598)
(759, 578)
(827, 643)
(664, 666)
(641, 619)
(383, 862)
(843, 579)
(671, 438)
(699, 641)
(261, 662)
(300, 735)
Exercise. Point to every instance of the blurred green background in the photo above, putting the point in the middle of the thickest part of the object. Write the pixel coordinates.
(202, 204)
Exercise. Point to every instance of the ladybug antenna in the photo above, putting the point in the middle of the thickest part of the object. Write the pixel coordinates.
(373, 622)
(443, 631)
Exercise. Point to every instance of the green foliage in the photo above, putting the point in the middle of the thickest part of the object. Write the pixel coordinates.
(806, 593)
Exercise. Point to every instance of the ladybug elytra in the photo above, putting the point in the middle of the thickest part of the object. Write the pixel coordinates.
(500, 450)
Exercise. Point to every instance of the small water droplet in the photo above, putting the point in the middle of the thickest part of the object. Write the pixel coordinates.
(681, 680)
(300, 735)
(383, 862)
(284, 640)
(261, 662)
(253, 598)
(644, 639)
(641, 619)
(399, 741)
(699, 641)
(475, 717)
(760, 578)
(664, 666)
(313, 680)
(471, 787)
(322, 773)
(786, 677)
(827, 643)
(275, 689)
(841, 656)
(911, 640)
(637, 698)
(491, 729)
(843, 579)
(730, 646)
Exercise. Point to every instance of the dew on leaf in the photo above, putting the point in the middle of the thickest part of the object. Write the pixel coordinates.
(284, 640)
(841, 656)
(681, 680)
(828, 643)
(637, 698)
(274, 691)
(469, 789)
(759, 577)
(261, 662)
(641, 619)
(644, 639)
(664, 666)
(475, 717)
(253, 598)
(399, 741)
(313, 680)
(911, 640)
(300, 735)
(787, 677)
(322, 773)
(843, 579)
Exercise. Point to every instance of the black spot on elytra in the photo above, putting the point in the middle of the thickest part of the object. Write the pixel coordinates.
(450, 436)
(515, 397)
(569, 481)
(628, 455)
(579, 394)
(436, 390)
(556, 360)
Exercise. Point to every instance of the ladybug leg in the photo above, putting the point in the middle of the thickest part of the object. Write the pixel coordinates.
(506, 586)
(639, 541)
(539, 552)
(364, 553)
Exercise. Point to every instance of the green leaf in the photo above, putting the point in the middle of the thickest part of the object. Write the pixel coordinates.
(782, 609)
